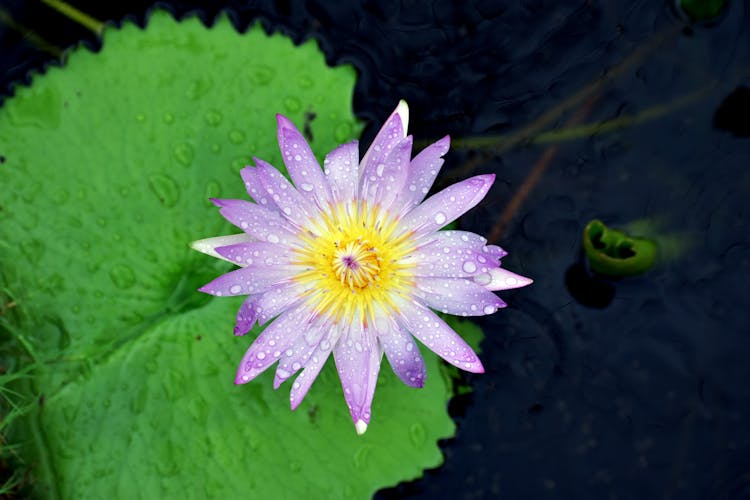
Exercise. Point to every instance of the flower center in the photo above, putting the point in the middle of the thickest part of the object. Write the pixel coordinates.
(352, 261)
(356, 264)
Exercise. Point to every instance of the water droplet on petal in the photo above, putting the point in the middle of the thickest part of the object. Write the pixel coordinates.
(272, 238)
(440, 218)
(306, 187)
(469, 267)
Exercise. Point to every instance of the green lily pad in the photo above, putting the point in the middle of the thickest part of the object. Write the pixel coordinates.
(109, 162)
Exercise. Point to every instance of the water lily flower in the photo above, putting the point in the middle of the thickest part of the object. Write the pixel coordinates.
(350, 260)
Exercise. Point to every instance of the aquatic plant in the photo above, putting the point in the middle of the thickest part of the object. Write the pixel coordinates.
(351, 261)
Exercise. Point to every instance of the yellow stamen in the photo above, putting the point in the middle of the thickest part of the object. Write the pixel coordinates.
(353, 260)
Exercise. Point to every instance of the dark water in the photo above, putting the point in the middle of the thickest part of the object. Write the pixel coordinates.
(638, 388)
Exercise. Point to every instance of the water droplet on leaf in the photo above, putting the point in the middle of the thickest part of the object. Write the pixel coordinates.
(184, 154)
(165, 188)
(122, 276)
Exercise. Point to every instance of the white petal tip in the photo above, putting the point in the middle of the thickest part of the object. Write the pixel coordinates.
(361, 425)
(402, 110)
(209, 245)
(502, 279)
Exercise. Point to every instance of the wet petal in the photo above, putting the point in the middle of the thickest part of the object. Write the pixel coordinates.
(246, 316)
(282, 194)
(256, 253)
(433, 332)
(253, 186)
(447, 205)
(300, 162)
(402, 353)
(277, 299)
(451, 262)
(358, 357)
(259, 222)
(305, 379)
(423, 170)
(270, 344)
(390, 134)
(458, 296)
(383, 184)
(502, 279)
(342, 168)
(246, 281)
(209, 245)
(296, 356)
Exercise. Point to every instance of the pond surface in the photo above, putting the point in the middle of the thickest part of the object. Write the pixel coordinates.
(595, 388)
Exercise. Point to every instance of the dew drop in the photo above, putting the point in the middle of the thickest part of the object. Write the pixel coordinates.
(184, 154)
(165, 188)
(417, 434)
(272, 238)
(262, 74)
(488, 309)
(306, 187)
(440, 218)
(213, 117)
(213, 190)
(236, 136)
(305, 82)
(60, 196)
(483, 279)
(343, 132)
(469, 267)
(235, 289)
(261, 355)
(292, 104)
(122, 276)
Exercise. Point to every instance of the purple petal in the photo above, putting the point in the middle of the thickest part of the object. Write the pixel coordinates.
(342, 168)
(270, 344)
(256, 253)
(280, 191)
(453, 239)
(252, 185)
(458, 296)
(259, 222)
(357, 357)
(295, 357)
(300, 162)
(305, 379)
(403, 354)
(447, 205)
(246, 316)
(392, 132)
(451, 262)
(246, 281)
(276, 300)
(385, 182)
(433, 332)
(502, 279)
(423, 170)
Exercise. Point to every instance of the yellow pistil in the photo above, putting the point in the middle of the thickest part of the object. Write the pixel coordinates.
(353, 262)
